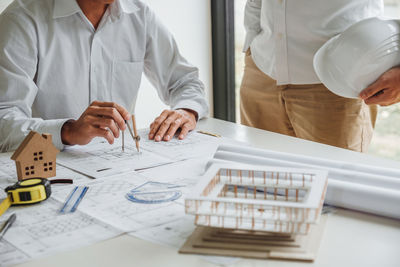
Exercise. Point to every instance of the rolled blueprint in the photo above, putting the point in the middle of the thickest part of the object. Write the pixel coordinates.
(371, 199)
(374, 190)
(339, 174)
(391, 172)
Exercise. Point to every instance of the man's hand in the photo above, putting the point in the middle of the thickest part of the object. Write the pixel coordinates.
(167, 124)
(103, 119)
(385, 91)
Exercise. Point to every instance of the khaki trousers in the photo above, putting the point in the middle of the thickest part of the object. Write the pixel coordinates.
(308, 111)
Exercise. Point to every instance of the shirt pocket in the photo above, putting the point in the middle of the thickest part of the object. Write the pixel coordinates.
(125, 82)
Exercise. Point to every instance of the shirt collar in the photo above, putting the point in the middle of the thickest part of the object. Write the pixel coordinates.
(123, 6)
(64, 8)
(128, 6)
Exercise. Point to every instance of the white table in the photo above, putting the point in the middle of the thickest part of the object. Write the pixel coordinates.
(350, 239)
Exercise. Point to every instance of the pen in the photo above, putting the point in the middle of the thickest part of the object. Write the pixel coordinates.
(8, 224)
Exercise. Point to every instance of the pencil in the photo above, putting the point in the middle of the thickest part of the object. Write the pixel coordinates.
(123, 141)
(208, 133)
(135, 132)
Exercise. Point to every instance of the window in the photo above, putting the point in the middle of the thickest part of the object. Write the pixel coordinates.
(48, 165)
(386, 140)
(29, 170)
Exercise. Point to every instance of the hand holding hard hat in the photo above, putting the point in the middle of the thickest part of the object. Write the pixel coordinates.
(359, 58)
(385, 91)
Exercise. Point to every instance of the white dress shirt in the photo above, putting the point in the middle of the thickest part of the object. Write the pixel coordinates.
(284, 35)
(53, 64)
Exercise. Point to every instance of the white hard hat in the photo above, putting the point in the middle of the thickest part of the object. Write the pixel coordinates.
(352, 60)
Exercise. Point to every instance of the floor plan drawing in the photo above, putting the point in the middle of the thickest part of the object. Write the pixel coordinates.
(39, 230)
(194, 145)
(101, 159)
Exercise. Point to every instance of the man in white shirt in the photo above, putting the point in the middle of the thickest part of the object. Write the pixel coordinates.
(58, 56)
(280, 91)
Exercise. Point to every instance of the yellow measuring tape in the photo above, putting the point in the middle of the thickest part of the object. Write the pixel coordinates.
(27, 191)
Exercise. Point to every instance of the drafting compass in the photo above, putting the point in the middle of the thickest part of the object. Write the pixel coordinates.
(133, 133)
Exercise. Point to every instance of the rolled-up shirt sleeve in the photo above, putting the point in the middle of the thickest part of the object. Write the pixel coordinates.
(176, 80)
(252, 15)
(18, 67)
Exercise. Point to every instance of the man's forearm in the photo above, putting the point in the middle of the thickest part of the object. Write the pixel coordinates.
(14, 127)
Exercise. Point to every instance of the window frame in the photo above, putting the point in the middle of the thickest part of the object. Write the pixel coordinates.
(223, 59)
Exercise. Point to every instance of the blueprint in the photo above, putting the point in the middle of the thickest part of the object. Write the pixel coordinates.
(193, 146)
(8, 172)
(8, 176)
(106, 198)
(174, 234)
(105, 211)
(100, 159)
(39, 230)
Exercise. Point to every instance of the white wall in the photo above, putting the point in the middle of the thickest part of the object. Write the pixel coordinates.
(190, 22)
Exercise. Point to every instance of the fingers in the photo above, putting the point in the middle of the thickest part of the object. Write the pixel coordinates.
(121, 110)
(104, 123)
(385, 91)
(108, 112)
(173, 127)
(184, 131)
(373, 89)
(171, 120)
(102, 119)
(157, 123)
(384, 98)
(99, 132)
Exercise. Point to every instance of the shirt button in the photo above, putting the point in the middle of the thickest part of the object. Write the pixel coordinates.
(280, 35)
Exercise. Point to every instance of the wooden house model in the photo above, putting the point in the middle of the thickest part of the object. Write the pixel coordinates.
(36, 157)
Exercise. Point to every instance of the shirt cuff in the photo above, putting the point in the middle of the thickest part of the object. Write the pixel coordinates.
(53, 127)
(202, 111)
